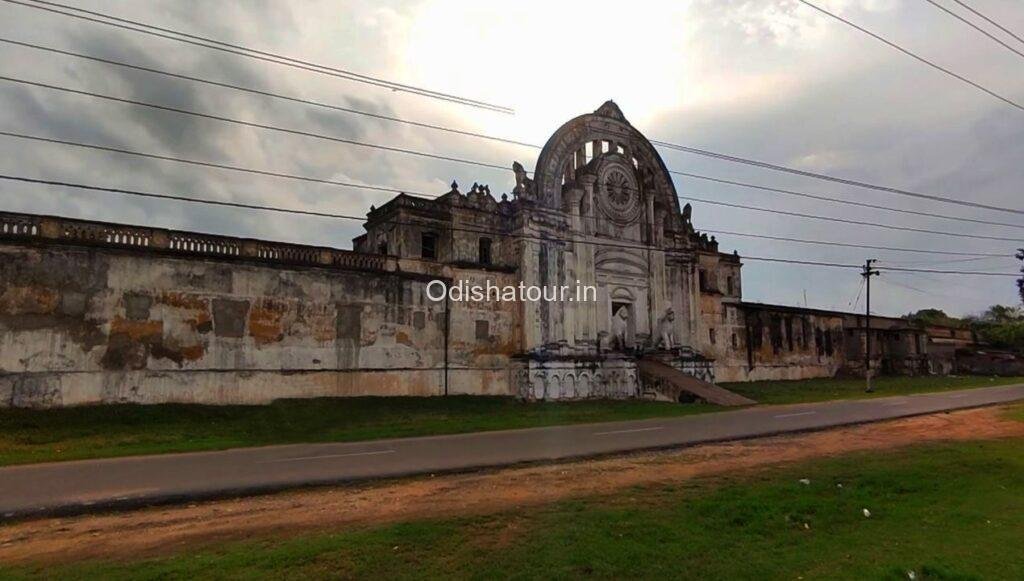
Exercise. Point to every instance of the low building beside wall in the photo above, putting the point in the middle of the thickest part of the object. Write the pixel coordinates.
(943, 344)
(957, 350)
(94, 312)
(775, 342)
(983, 361)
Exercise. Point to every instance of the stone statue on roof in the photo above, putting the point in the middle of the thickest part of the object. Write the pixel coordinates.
(524, 185)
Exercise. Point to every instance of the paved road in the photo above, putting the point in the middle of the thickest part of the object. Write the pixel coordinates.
(80, 486)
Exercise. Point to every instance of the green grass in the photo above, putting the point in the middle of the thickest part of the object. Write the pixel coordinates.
(944, 511)
(120, 430)
(1016, 412)
(809, 390)
(28, 436)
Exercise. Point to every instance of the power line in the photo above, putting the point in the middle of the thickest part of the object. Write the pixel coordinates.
(856, 301)
(192, 199)
(933, 280)
(845, 265)
(975, 27)
(448, 158)
(851, 245)
(971, 272)
(989, 20)
(946, 285)
(257, 54)
(852, 303)
(913, 288)
(841, 201)
(206, 201)
(920, 277)
(914, 56)
(253, 124)
(433, 196)
(440, 157)
(804, 262)
(826, 177)
(263, 93)
(535, 146)
(953, 261)
(846, 221)
(206, 163)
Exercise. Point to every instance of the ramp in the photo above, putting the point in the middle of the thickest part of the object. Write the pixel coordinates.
(674, 385)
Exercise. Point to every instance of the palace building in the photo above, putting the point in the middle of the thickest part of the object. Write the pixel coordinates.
(95, 312)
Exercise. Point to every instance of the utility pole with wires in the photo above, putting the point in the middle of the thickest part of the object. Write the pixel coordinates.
(867, 273)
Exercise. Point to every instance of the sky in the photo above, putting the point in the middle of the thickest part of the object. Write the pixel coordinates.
(771, 80)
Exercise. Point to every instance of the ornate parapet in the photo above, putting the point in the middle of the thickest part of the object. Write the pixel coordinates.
(576, 379)
(57, 230)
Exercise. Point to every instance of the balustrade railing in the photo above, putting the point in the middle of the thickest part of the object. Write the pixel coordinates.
(200, 244)
(65, 230)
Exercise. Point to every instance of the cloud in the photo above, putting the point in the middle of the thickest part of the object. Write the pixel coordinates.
(775, 81)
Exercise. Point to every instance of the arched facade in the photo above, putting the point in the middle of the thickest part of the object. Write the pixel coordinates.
(104, 313)
(604, 132)
(599, 216)
(600, 184)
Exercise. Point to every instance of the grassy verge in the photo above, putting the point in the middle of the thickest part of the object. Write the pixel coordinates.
(809, 390)
(1016, 412)
(121, 430)
(946, 511)
(28, 436)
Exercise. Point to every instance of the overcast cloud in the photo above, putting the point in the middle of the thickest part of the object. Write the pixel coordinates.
(771, 79)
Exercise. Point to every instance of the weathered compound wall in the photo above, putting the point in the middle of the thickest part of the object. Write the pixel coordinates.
(81, 324)
(484, 337)
(776, 342)
(779, 344)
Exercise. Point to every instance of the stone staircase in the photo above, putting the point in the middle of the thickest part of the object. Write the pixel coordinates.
(666, 383)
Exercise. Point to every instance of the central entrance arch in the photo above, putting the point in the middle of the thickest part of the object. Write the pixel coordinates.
(601, 210)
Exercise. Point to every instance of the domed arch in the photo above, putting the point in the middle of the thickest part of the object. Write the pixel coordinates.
(608, 128)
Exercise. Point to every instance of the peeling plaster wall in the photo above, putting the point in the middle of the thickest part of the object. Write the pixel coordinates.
(763, 344)
(484, 336)
(84, 325)
(766, 342)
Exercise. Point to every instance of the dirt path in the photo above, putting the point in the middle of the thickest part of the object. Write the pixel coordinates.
(158, 531)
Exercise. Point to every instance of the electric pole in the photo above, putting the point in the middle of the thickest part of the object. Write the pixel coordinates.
(867, 274)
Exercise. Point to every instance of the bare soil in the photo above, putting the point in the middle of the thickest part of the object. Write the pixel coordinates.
(166, 530)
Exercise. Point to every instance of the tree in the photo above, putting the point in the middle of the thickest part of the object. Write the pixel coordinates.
(1001, 326)
(1020, 281)
(999, 314)
(1005, 336)
(925, 317)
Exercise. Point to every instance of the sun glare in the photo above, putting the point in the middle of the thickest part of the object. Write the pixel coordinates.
(546, 58)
